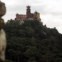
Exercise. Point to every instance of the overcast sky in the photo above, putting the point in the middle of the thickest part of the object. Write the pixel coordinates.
(50, 10)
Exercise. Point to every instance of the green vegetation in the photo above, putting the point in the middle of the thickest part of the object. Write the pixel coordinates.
(32, 42)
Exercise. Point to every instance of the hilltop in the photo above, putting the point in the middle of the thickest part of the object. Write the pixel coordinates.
(31, 41)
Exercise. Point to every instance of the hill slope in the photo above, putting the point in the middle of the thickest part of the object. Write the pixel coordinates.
(32, 42)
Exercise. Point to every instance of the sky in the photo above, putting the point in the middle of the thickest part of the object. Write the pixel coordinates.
(50, 11)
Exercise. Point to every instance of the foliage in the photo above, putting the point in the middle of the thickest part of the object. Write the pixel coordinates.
(32, 42)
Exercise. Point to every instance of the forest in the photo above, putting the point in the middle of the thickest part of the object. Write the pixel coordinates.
(31, 41)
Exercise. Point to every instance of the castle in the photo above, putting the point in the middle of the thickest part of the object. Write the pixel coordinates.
(28, 16)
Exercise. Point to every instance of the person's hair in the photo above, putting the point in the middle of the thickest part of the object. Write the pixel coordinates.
(1, 23)
(1, 60)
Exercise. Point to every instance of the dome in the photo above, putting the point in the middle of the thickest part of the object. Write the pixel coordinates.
(2, 9)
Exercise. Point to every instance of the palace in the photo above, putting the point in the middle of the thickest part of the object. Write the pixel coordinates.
(28, 16)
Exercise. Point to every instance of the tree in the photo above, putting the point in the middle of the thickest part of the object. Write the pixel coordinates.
(32, 42)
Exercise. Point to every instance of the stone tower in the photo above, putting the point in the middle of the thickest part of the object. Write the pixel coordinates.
(28, 11)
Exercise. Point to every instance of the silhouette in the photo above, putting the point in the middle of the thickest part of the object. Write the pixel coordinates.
(2, 32)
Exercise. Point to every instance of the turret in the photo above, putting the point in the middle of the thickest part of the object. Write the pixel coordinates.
(28, 11)
(37, 16)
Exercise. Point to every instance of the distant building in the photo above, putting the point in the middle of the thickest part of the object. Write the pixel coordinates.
(28, 16)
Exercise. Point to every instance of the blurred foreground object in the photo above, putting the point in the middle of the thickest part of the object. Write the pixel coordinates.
(2, 32)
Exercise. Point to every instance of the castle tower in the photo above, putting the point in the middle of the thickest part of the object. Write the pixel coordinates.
(37, 16)
(28, 11)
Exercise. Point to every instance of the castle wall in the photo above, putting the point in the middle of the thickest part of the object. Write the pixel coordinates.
(29, 15)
